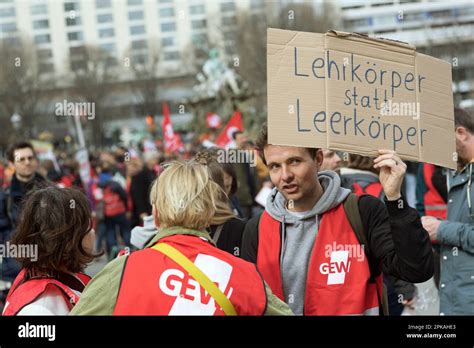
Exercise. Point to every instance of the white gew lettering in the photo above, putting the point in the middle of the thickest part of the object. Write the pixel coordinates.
(191, 298)
(337, 267)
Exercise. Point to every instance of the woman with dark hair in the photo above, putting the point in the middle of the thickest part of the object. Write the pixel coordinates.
(55, 227)
(230, 187)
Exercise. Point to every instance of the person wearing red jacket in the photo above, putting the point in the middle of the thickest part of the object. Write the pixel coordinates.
(307, 247)
(180, 271)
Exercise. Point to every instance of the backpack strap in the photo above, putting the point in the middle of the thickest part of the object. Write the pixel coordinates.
(218, 233)
(351, 207)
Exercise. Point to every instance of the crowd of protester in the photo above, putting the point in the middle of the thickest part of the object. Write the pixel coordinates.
(142, 210)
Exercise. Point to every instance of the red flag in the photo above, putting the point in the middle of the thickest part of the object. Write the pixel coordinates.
(235, 124)
(213, 120)
(172, 141)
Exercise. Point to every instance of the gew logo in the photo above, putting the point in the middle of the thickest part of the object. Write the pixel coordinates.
(337, 267)
(190, 297)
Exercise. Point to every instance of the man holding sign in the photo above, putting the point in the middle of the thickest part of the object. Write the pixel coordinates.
(307, 243)
(319, 248)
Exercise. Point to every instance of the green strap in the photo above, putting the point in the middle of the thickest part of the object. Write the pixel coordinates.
(198, 275)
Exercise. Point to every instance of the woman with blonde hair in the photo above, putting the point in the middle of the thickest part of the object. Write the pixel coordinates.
(181, 271)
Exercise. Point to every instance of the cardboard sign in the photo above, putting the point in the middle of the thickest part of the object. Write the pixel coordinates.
(351, 93)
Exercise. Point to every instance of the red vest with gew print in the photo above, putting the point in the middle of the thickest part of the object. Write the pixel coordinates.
(23, 292)
(338, 271)
(153, 284)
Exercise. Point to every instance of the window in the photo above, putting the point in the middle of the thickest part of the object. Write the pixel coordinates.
(111, 61)
(109, 47)
(230, 49)
(103, 3)
(167, 12)
(256, 4)
(358, 22)
(139, 44)
(41, 39)
(441, 14)
(12, 41)
(229, 35)
(77, 51)
(199, 38)
(410, 17)
(7, 27)
(44, 53)
(45, 68)
(229, 20)
(171, 55)
(381, 4)
(139, 59)
(78, 65)
(137, 29)
(74, 36)
(7, 12)
(258, 17)
(73, 21)
(198, 24)
(197, 9)
(71, 6)
(134, 2)
(228, 6)
(105, 18)
(41, 24)
(167, 41)
(39, 9)
(384, 20)
(107, 32)
(135, 15)
(171, 26)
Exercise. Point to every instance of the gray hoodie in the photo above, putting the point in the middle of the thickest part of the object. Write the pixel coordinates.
(299, 235)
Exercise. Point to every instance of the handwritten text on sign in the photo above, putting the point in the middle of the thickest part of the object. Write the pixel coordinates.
(356, 94)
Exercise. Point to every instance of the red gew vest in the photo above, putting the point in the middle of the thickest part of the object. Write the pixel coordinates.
(338, 271)
(153, 284)
(22, 293)
(434, 203)
(373, 189)
(113, 203)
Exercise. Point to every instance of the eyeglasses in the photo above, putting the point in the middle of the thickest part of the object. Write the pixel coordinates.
(23, 159)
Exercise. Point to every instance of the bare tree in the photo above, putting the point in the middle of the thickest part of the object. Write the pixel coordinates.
(145, 81)
(251, 45)
(306, 17)
(20, 86)
(93, 71)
